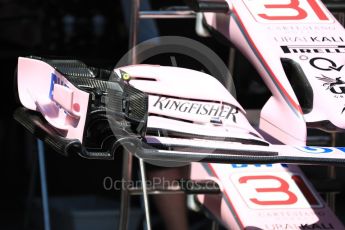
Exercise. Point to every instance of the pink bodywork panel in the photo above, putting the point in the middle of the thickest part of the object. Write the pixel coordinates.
(305, 32)
(172, 102)
(273, 197)
(66, 109)
(266, 31)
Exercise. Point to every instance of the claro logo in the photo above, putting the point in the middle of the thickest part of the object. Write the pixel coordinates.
(197, 108)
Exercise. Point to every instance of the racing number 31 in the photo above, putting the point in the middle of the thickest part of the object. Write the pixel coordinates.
(294, 5)
(287, 190)
(283, 188)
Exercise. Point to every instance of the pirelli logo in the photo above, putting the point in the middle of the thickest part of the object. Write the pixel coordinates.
(313, 49)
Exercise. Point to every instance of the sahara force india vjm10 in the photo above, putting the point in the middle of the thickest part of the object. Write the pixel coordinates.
(163, 113)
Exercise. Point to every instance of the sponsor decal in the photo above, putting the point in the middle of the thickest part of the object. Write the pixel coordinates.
(320, 150)
(198, 108)
(304, 49)
(300, 214)
(336, 86)
(299, 227)
(317, 226)
(55, 80)
(236, 166)
(325, 64)
(300, 28)
(315, 150)
(308, 39)
(303, 57)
